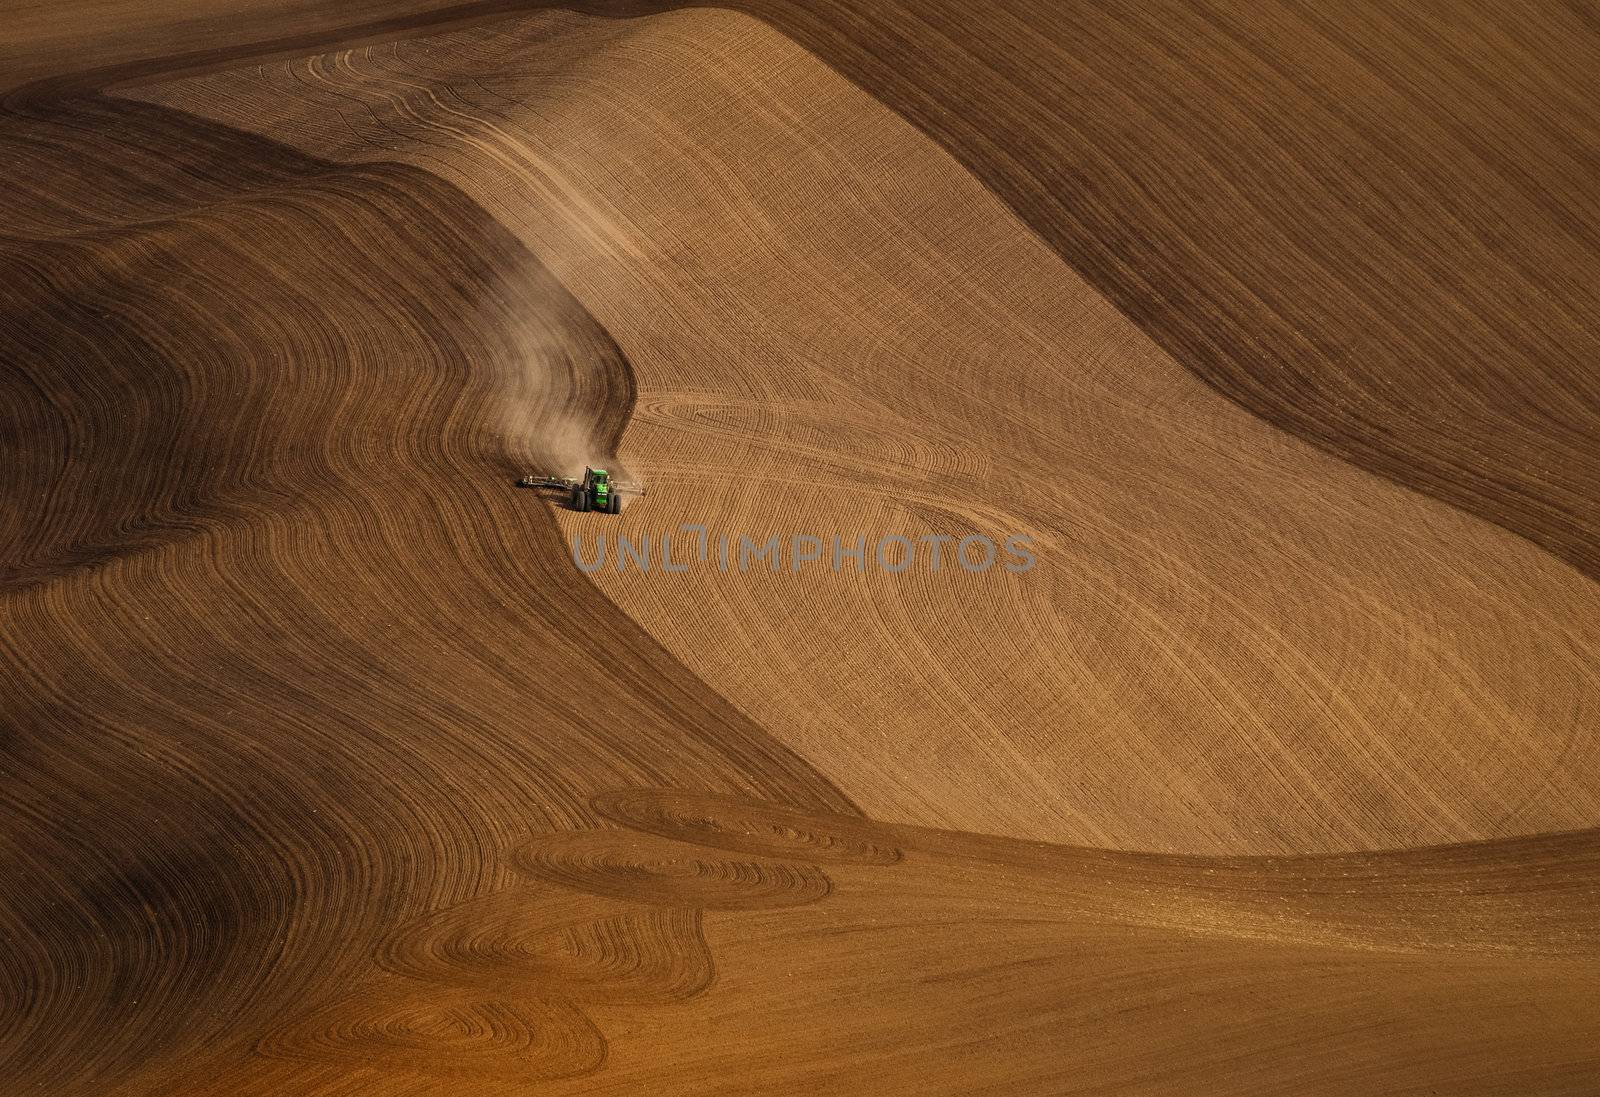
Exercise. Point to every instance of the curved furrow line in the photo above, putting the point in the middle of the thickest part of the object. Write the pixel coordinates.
(618, 864)
(463, 1038)
(583, 946)
(1526, 896)
(748, 828)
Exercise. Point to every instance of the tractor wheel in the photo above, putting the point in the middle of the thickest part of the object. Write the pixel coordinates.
(613, 503)
(580, 498)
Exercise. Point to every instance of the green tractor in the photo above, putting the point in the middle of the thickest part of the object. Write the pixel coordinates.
(595, 491)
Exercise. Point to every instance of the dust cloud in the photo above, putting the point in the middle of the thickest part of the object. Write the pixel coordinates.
(554, 395)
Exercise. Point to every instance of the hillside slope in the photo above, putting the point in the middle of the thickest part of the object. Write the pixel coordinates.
(1231, 643)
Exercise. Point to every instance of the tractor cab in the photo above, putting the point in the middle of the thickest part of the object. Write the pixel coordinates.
(596, 492)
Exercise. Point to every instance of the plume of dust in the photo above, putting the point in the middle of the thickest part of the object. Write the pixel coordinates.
(539, 396)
